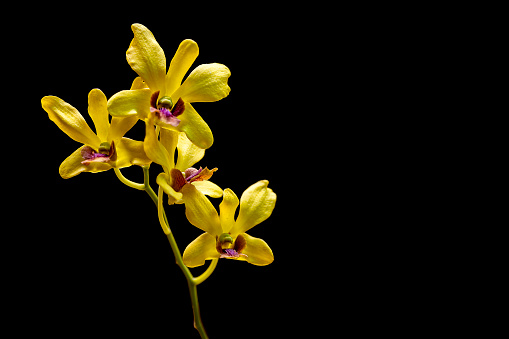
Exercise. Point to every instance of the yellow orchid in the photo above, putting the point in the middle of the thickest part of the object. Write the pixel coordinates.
(167, 97)
(178, 175)
(102, 151)
(224, 236)
(162, 99)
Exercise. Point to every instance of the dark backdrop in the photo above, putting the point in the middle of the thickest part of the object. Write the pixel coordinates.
(99, 261)
(310, 99)
(323, 105)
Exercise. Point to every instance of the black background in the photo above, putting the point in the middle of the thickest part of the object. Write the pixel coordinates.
(97, 260)
(315, 108)
(330, 104)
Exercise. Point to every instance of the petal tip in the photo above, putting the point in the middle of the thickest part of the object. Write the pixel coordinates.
(189, 42)
(137, 26)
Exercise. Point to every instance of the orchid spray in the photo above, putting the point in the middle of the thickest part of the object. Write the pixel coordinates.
(162, 99)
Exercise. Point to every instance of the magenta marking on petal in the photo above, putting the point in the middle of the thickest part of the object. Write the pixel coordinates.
(167, 117)
(194, 174)
(231, 253)
(166, 112)
(170, 121)
(89, 155)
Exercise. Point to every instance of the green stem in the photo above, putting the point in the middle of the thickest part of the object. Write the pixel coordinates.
(196, 309)
(192, 282)
(128, 182)
(146, 184)
(207, 273)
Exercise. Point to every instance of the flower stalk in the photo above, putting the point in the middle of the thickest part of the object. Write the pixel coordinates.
(176, 138)
(192, 282)
(128, 182)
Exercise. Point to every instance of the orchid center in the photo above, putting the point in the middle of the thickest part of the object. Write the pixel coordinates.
(179, 179)
(105, 148)
(165, 110)
(106, 153)
(225, 240)
(228, 248)
(165, 102)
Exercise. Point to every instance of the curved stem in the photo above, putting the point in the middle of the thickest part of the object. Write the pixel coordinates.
(207, 273)
(146, 184)
(128, 182)
(192, 282)
(160, 212)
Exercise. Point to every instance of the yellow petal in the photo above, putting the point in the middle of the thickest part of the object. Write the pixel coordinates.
(227, 210)
(131, 152)
(130, 102)
(147, 58)
(208, 188)
(200, 249)
(154, 149)
(200, 212)
(169, 139)
(120, 126)
(163, 180)
(98, 111)
(188, 153)
(195, 128)
(70, 121)
(256, 205)
(138, 83)
(180, 64)
(257, 251)
(72, 165)
(206, 83)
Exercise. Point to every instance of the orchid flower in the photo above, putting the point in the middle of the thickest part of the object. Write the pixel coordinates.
(162, 99)
(224, 236)
(177, 175)
(166, 96)
(101, 151)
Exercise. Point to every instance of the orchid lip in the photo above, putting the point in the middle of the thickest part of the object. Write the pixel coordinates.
(192, 175)
(166, 116)
(164, 111)
(231, 253)
(89, 155)
(179, 179)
